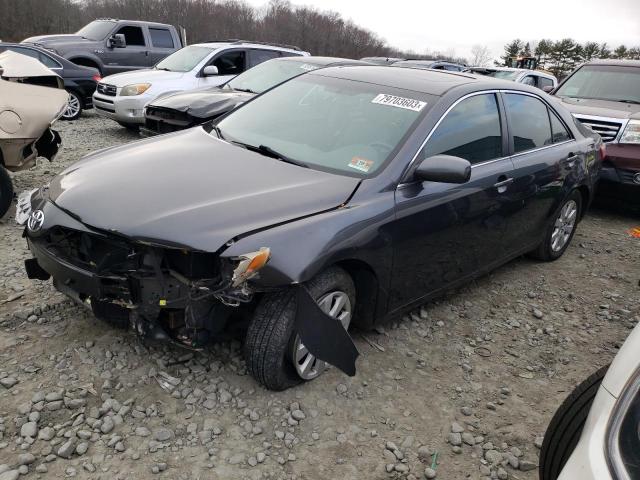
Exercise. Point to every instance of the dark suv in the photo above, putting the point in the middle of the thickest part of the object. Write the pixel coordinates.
(605, 96)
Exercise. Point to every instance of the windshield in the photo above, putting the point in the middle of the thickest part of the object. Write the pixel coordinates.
(96, 30)
(327, 123)
(269, 74)
(185, 59)
(503, 74)
(603, 82)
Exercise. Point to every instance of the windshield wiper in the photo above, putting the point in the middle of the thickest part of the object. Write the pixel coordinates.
(270, 152)
(635, 102)
(216, 129)
(247, 90)
(164, 69)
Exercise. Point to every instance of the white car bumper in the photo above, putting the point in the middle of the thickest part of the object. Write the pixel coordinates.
(128, 110)
(588, 461)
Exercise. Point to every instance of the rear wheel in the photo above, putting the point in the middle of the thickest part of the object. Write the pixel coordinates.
(6, 191)
(564, 431)
(74, 106)
(561, 229)
(275, 355)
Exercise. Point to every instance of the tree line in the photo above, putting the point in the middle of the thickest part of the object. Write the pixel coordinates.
(562, 56)
(319, 32)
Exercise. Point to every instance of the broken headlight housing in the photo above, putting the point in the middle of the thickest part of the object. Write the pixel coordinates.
(623, 435)
(631, 133)
(248, 265)
(134, 89)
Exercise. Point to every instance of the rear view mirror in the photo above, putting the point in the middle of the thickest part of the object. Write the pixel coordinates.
(444, 169)
(117, 41)
(547, 88)
(210, 71)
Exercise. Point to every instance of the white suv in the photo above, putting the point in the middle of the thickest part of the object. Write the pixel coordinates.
(122, 97)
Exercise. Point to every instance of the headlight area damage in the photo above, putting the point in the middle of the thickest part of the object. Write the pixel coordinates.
(165, 292)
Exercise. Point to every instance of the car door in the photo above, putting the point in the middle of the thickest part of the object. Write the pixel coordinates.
(446, 232)
(543, 153)
(229, 63)
(133, 56)
(162, 43)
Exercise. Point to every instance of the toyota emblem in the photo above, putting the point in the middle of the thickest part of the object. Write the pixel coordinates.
(636, 178)
(36, 219)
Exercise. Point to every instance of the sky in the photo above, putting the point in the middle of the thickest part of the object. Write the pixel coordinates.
(456, 25)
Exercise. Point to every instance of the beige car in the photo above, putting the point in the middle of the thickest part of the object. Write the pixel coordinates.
(32, 97)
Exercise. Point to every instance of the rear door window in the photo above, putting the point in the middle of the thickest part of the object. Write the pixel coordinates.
(231, 63)
(528, 122)
(133, 36)
(544, 82)
(161, 38)
(256, 57)
(471, 130)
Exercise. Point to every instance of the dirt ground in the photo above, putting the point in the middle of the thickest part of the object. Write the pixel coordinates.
(466, 384)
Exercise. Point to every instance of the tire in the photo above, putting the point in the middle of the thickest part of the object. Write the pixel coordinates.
(6, 191)
(74, 107)
(271, 333)
(130, 127)
(546, 250)
(564, 431)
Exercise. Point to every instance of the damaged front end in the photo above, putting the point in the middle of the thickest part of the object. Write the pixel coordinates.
(162, 291)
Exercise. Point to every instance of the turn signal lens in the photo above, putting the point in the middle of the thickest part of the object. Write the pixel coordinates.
(249, 264)
(134, 89)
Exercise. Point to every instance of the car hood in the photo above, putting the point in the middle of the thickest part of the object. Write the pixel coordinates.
(60, 39)
(146, 75)
(193, 190)
(600, 108)
(203, 103)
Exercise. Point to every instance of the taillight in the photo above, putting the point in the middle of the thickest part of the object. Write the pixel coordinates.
(96, 77)
(603, 151)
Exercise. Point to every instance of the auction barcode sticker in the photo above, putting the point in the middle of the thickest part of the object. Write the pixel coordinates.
(400, 102)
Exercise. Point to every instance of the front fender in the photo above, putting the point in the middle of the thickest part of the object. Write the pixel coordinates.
(302, 248)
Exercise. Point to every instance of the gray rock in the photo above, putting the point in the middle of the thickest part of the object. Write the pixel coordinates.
(29, 429)
(456, 428)
(424, 453)
(163, 434)
(455, 439)
(430, 473)
(107, 425)
(26, 458)
(526, 465)
(67, 448)
(494, 457)
(142, 432)
(10, 475)
(468, 438)
(298, 415)
(82, 448)
(47, 433)
(8, 382)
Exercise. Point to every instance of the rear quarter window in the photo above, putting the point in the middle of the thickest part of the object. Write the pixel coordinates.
(161, 38)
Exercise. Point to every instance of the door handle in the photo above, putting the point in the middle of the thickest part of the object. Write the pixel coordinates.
(571, 160)
(503, 182)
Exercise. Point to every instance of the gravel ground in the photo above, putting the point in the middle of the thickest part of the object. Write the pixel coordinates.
(472, 379)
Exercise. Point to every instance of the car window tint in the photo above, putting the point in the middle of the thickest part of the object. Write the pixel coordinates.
(42, 58)
(132, 35)
(161, 37)
(258, 56)
(545, 82)
(230, 63)
(471, 130)
(528, 122)
(560, 133)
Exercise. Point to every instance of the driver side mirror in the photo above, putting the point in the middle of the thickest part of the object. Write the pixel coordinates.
(547, 88)
(444, 169)
(210, 71)
(117, 41)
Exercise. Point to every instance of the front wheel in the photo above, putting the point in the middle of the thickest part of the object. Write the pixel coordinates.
(564, 431)
(275, 355)
(74, 106)
(6, 191)
(561, 229)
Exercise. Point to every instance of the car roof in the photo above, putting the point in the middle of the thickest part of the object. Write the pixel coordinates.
(614, 62)
(312, 60)
(432, 82)
(500, 69)
(217, 45)
(39, 48)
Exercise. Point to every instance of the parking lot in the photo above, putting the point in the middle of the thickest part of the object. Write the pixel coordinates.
(466, 384)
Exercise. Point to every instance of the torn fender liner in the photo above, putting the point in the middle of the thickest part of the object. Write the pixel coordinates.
(324, 336)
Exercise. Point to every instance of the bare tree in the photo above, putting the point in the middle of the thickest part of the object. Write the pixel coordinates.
(480, 56)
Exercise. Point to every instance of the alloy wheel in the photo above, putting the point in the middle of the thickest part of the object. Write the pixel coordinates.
(564, 225)
(337, 305)
(73, 107)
